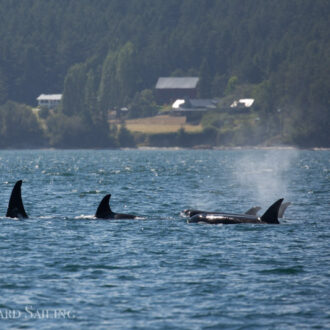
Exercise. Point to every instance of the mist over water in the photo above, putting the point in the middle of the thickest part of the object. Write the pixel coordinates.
(265, 175)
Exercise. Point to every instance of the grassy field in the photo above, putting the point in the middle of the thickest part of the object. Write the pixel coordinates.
(161, 124)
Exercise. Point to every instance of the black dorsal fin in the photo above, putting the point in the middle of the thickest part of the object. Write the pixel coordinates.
(271, 215)
(15, 205)
(253, 210)
(104, 211)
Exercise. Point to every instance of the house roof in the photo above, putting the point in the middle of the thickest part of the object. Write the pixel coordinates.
(177, 82)
(203, 103)
(49, 97)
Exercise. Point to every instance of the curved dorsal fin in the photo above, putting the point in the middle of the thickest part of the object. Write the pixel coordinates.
(15, 205)
(283, 208)
(253, 210)
(271, 215)
(104, 211)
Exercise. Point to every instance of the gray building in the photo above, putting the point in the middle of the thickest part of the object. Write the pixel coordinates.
(169, 89)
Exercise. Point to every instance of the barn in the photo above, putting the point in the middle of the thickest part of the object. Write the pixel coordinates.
(168, 89)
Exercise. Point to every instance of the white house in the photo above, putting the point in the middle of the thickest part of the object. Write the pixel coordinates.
(50, 101)
(242, 104)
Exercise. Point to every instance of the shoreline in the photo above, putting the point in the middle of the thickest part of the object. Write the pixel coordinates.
(197, 148)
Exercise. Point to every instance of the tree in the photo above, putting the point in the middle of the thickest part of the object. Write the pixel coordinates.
(19, 127)
(74, 88)
(3, 88)
(126, 73)
(108, 87)
(231, 85)
(143, 105)
(205, 84)
(125, 138)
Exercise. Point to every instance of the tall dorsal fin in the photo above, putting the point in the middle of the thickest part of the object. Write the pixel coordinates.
(15, 205)
(104, 211)
(253, 210)
(271, 215)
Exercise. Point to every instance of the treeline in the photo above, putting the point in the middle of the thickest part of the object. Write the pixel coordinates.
(106, 54)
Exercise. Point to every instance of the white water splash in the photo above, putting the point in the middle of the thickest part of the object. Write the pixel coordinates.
(85, 216)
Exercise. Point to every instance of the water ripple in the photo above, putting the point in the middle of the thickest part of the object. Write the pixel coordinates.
(159, 272)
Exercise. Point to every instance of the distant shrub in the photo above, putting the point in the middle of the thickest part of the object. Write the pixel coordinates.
(44, 113)
(125, 138)
(19, 127)
(74, 132)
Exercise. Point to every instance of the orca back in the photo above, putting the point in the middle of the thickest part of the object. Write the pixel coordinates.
(104, 211)
(191, 212)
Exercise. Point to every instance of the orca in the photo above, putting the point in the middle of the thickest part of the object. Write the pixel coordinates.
(104, 211)
(15, 205)
(269, 217)
(191, 212)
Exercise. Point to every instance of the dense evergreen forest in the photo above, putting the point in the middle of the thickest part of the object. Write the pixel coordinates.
(106, 54)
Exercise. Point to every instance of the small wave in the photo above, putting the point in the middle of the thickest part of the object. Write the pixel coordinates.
(92, 217)
(71, 268)
(126, 278)
(140, 218)
(14, 286)
(85, 216)
(65, 174)
(108, 286)
(46, 217)
(284, 270)
(11, 219)
(91, 192)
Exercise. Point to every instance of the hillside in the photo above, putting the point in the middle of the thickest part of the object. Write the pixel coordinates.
(105, 54)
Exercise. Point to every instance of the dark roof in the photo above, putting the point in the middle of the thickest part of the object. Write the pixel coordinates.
(202, 103)
(177, 82)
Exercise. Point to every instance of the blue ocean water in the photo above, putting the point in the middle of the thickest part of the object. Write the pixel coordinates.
(61, 268)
